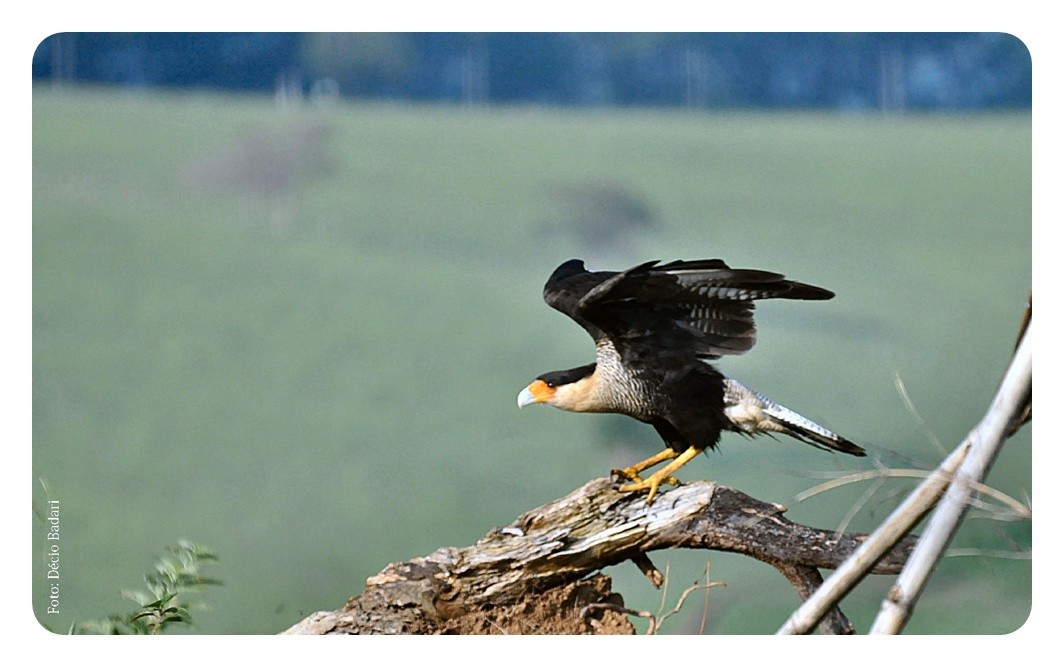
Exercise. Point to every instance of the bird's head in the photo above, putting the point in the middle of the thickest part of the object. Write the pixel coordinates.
(568, 390)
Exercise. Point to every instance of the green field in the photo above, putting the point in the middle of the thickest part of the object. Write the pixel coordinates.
(297, 334)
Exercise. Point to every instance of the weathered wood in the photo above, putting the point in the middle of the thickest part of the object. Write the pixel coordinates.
(552, 549)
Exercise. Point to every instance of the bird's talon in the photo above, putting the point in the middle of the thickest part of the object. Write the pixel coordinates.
(650, 484)
(626, 473)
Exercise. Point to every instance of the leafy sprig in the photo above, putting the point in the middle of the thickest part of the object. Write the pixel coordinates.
(164, 602)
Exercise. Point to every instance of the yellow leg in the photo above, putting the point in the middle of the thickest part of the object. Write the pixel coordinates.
(632, 472)
(662, 476)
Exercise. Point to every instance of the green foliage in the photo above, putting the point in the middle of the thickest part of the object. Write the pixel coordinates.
(164, 603)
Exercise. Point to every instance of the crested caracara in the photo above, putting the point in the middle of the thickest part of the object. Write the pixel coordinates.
(655, 328)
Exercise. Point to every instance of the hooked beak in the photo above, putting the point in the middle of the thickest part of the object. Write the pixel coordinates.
(537, 392)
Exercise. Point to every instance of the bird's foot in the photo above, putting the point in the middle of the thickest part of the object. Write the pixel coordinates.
(632, 476)
(631, 473)
(663, 476)
(650, 483)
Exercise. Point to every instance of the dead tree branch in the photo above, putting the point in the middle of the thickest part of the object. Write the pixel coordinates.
(545, 556)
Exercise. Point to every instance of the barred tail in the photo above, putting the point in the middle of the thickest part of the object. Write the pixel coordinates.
(751, 412)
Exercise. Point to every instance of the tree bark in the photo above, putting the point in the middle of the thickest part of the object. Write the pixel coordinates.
(534, 575)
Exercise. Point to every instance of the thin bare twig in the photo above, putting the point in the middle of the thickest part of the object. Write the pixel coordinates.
(705, 607)
(852, 478)
(1018, 509)
(664, 590)
(1014, 510)
(683, 598)
(861, 502)
(655, 622)
(900, 384)
(988, 553)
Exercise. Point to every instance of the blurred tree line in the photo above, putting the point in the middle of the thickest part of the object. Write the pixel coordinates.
(711, 70)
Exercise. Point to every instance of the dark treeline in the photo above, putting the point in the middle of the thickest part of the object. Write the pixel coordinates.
(712, 70)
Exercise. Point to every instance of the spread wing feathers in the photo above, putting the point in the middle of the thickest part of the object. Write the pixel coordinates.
(701, 307)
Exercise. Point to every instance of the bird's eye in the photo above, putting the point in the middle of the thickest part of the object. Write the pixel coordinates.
(551, 385)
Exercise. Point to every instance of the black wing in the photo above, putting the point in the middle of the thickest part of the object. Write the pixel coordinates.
(703, 307)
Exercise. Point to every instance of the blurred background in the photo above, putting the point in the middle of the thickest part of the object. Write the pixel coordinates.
(286, 288)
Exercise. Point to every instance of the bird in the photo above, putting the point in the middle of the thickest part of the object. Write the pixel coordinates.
(657, 328)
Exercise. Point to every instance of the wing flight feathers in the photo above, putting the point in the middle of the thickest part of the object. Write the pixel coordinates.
(701, 307)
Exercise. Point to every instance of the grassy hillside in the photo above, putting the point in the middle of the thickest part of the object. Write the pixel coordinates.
(297, 334)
